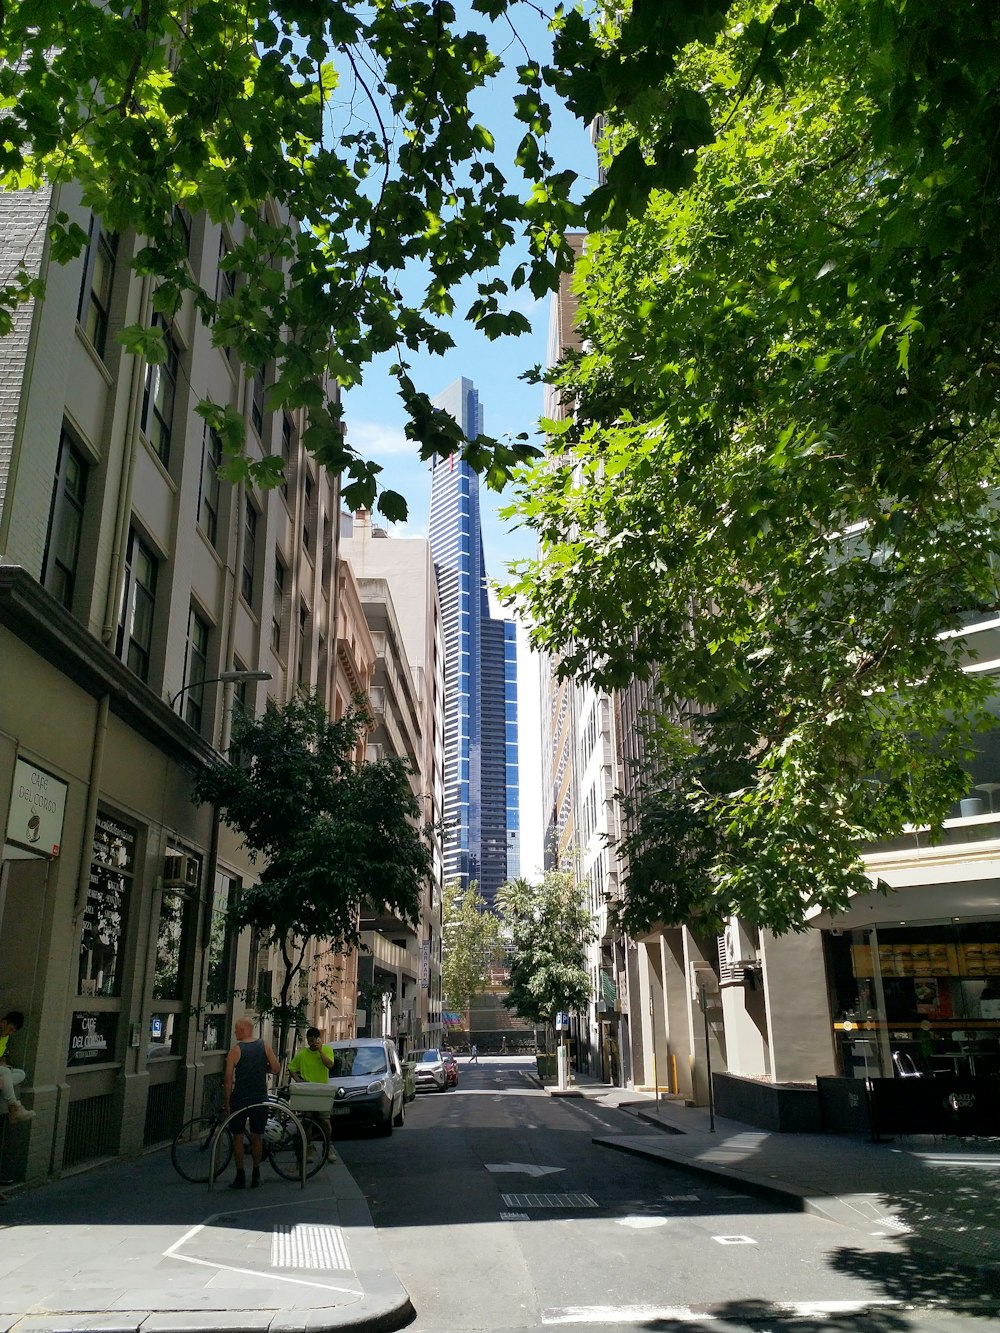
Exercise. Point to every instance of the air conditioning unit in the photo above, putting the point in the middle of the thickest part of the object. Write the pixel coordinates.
(739, 947)
(180, 871)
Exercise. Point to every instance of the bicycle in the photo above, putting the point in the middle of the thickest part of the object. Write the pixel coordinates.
(191, 1150)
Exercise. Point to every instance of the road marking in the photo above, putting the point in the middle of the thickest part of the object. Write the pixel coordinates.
(513, 1217)
(683, 1198)
(522, 1168)
(641, 1223)
(735, 1240)
(307, 1246)
(548, 1201)
(686, 1314)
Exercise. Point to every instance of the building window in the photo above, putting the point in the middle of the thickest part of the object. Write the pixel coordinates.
(135, 628)
(161, 390)
(279, 605)
(95, 291)
(287, 449)
(225, 285)
(195, 670)
(303, 644)
(182, 225)
(208, 501)
(62, 547)
(249, 552)
(307, 515)
(257, 401)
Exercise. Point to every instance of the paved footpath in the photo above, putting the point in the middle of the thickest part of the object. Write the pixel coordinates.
(131, 1246)
(942, 1196)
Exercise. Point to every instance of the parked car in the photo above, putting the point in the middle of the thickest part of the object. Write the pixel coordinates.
(368, 1083)
(450, 1068)
(430, 1070)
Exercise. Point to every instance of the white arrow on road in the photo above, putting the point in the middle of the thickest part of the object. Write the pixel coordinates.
(521, 1168)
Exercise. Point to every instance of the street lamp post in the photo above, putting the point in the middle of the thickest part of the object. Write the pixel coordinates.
(225, 677)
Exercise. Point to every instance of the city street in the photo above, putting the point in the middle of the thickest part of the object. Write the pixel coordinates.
(497, 1212)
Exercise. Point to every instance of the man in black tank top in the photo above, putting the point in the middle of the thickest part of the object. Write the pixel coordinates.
(245, 1083)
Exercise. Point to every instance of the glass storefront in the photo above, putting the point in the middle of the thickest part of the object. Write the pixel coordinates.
(916, 999)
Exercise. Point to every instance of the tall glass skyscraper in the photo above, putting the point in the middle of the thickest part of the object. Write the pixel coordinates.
(482, 840)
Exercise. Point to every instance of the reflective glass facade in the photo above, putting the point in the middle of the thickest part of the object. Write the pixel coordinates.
(481, 787)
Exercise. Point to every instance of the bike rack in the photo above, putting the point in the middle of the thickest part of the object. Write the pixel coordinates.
(271, 1106)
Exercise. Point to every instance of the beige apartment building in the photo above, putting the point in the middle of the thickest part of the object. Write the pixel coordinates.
(400, 967)
(131, 579)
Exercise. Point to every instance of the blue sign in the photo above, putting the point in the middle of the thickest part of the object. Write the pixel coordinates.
(562, 1022)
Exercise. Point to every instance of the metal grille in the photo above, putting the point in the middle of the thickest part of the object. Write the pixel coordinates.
(548, 1201)
(163, 1113)
(307, 1246)
(90, 1130)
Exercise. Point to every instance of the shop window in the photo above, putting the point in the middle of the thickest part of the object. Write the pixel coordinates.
(94, 309)
(112, 868)
(62, 547)
(169, 942)
(221, 946)
(135, 628)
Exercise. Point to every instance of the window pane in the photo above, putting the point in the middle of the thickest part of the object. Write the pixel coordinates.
(169, 933)
(104, 917)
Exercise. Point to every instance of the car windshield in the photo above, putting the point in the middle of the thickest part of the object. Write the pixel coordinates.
(358, 1060)
(429, 1057)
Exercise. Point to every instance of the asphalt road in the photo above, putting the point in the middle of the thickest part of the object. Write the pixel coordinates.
(498, 1213)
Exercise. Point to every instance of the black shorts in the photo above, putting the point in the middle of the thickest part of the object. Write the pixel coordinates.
(257, 1116)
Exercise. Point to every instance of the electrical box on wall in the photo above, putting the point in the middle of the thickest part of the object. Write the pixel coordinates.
(740, 949)
(180, 871)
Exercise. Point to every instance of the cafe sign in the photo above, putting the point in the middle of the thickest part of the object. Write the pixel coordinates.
(37, 810)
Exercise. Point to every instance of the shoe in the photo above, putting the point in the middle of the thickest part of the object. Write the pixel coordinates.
(238, 1182)
(16, 1114)
(255, 1179)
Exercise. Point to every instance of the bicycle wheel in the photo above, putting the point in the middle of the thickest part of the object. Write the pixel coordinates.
(284, 1145)
(191, 1150)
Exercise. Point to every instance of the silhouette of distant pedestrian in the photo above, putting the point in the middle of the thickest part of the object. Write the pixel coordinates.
(474, 1056)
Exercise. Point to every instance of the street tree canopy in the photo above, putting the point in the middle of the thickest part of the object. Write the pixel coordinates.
(546, 929)
(775, 491)
(332, 834)
(470, 943)
(356, 120)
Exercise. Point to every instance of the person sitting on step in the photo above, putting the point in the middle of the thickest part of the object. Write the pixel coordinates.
(9, 1076)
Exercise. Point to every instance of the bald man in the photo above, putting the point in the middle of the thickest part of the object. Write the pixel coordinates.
(245, 1083)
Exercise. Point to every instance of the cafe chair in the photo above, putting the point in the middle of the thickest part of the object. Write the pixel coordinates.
(906, 1067)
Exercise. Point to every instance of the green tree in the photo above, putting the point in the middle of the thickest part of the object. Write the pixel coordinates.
(546, 929)
(332, 834)
(775, 494)
(356, 120)
(470, 943)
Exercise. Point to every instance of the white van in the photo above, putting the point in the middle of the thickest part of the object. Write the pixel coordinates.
(367, 1083)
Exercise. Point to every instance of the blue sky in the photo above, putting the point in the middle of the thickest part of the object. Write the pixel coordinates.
(375, 418)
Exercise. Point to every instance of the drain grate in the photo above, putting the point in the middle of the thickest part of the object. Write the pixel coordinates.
(548, 1201)
(306, 1246)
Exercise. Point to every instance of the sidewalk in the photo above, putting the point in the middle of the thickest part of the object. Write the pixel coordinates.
(939, 1196)
(131, 1246)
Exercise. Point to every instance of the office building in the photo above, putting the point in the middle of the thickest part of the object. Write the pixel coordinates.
(481, 788)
